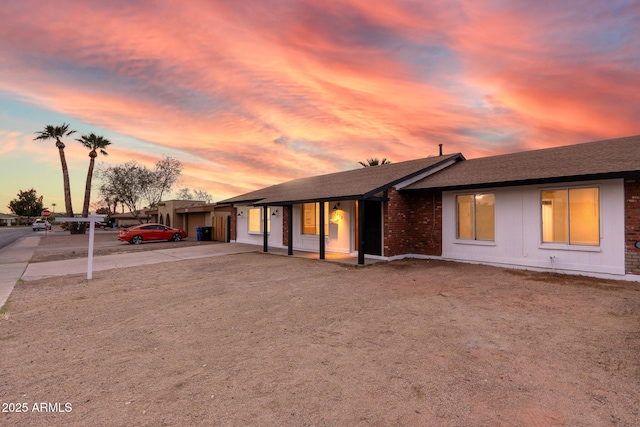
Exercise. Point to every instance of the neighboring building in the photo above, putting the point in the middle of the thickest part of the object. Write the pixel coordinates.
(169, 216)
(190, 214)
(573, 209)
(9, 219)
(129, 220)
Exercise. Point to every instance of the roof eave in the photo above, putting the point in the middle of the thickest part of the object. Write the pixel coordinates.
(534, 181)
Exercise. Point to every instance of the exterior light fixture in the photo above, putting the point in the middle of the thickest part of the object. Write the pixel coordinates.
(274, 212)
(336, 206)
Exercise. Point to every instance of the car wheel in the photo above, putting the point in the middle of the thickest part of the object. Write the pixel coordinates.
(136, 240)
(176, 237)
(35, 229)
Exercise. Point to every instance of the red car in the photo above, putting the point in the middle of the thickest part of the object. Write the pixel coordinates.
(138, 234)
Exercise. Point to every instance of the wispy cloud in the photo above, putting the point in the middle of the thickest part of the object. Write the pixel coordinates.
(252, 93)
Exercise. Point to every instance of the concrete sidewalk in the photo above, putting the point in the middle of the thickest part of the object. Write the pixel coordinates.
(42, 270)
(14, 259)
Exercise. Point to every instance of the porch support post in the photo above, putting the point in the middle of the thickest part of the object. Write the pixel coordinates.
(290, 230)
(360, 235)
(265, 235)
(321, 225)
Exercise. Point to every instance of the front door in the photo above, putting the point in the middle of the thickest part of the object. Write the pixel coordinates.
(373, 227)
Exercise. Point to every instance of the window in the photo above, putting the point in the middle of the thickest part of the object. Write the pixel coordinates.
(476, 216)
(571, 216)
(311, 218)
(256, 220)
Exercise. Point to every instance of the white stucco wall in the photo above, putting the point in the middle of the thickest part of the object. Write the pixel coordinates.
(242, 228)
(518, 235)
(341, 230)
(339, 239)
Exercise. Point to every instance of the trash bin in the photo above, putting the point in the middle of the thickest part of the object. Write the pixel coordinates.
(199, 233)
(206, 233)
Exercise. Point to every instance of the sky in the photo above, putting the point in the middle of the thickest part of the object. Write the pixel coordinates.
(248, 94)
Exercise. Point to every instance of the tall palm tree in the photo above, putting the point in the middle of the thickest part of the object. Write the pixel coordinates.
(57, 132)
(375, 162)
(94, 143)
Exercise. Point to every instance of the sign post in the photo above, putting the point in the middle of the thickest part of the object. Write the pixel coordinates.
(45, 213)
(92, 219)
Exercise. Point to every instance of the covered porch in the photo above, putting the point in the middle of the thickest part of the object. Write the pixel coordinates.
(349, 210)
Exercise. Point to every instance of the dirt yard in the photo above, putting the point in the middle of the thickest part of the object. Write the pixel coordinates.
(62, 245)
(265, 340)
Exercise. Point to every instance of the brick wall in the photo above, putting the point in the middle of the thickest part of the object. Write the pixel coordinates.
(632, 225)
(413, 223)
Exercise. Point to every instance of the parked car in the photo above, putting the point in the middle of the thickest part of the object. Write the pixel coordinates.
(146, 232)
(41, 224)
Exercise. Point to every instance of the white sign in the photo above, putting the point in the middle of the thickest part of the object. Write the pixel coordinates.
(92, 219)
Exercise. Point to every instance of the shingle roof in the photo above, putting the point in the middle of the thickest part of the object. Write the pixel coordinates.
(600, 159)
(353, 184)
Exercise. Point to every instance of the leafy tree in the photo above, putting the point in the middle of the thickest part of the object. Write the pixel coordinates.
(165, 174)
(198, 194)
(131, 184)
(105, 206)
(57, 132)
(27, 204)
(128, 184)
(94, 143)
(374, 162)
(103, 211)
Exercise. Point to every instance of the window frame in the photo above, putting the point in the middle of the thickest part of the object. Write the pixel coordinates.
(474, 219)
(261, 221)
(316, 219)
(567, 244)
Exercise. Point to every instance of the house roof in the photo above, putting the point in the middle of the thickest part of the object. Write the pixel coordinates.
(353, 184)
(129, 215)
(592, 160)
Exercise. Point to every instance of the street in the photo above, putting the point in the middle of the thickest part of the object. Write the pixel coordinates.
(9, 235)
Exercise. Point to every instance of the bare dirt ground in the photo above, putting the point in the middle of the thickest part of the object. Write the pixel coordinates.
(260, 339)
(62, 245)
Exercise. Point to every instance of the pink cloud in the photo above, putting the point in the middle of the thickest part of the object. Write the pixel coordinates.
(250, 93)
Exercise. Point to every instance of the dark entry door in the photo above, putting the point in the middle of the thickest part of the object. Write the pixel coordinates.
(373, 227)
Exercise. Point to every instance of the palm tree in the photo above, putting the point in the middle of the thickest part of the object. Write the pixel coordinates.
(375, 162)
(94, 143)
(57, 132)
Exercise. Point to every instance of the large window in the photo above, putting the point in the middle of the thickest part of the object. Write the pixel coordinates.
(256, 220)
(476, 216)
(571, 216)
(311, 218)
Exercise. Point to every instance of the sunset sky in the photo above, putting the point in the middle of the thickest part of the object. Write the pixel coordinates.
(252, 93)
